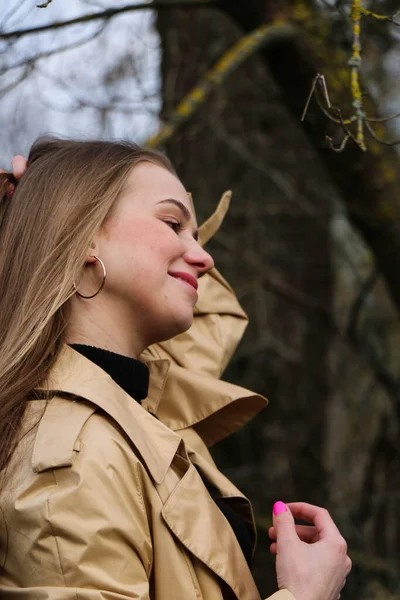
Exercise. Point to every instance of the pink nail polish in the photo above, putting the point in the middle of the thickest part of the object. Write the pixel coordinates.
(279, 507)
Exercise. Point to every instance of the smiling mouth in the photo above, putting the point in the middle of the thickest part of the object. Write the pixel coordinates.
(186, 279)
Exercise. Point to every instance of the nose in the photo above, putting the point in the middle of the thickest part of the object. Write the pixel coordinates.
(199, 258)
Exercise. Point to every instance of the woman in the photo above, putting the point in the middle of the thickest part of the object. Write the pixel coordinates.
(108, 490)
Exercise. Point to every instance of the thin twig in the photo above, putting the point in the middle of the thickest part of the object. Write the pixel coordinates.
(382, 119)
(330, 116)
(11, 86)
(342, 144)
(357, 11)
(378, 17)
(110, 12)
(72, 46)
(310, 95)
(378, 139)
(318, 82)
(322, 84)
(346, 130)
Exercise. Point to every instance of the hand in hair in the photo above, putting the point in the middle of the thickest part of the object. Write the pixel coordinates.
(19, 164)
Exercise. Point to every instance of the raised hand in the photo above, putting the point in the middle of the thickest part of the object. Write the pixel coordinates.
(19, 165)
(311, 561)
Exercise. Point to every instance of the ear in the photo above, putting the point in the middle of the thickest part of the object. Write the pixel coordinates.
(90, 258)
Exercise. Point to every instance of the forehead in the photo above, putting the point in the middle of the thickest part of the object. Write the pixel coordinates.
(149, 183)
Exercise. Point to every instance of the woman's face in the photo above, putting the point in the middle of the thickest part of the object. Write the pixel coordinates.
(147, 245)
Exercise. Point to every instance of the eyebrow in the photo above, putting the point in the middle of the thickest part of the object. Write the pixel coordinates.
(185, 212)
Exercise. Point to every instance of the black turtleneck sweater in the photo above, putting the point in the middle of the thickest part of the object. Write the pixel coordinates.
(133, 377)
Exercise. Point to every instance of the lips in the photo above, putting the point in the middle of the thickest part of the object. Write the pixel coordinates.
(185, 277)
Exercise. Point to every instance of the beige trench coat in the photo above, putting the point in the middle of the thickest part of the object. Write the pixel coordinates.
(104, 501)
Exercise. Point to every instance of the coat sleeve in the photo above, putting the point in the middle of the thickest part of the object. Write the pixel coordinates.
(89, 524)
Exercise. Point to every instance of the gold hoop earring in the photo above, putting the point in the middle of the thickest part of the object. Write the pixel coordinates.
(102, 283)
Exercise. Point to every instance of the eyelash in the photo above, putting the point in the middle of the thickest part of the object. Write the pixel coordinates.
(177, 227)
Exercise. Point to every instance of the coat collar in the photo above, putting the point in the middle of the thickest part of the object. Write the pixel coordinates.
(77, 376)
(214, 408)
(178, 397)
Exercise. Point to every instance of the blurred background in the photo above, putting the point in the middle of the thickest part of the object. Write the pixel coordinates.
(311, 243)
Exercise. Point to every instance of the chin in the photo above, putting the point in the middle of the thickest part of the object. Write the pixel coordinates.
(175, 327)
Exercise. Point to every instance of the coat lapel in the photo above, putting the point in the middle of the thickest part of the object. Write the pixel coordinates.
(228, 491)
(76, 376)
(206, 533)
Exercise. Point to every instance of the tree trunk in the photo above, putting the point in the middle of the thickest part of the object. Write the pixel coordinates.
(274, 248)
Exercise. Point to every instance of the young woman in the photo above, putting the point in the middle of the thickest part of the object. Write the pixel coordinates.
(114, 330)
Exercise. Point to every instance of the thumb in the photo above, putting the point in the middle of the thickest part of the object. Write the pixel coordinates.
(284, 524)
(19, 166)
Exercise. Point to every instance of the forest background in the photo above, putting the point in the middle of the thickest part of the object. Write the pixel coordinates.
(311, 243)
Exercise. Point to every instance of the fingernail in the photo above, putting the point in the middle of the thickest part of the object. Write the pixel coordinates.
(279, 507)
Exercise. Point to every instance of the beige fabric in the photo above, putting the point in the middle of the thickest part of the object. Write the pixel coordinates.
(213, 223)
(105, 502)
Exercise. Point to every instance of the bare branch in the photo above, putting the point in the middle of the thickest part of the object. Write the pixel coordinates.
(337, 110)
(378, 139)
(310, 95)
(378, 17)
(382, 119)
(71, 46)
(340, 120)
(347, 131)
(45, 5)
(321, 83)
(357, 11)
(342, 144)
(111, 12)
(26, 71)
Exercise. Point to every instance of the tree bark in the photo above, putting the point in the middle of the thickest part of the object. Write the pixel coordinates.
(274, 248)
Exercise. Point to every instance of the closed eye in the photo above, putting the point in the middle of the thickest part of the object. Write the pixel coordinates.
(176, 226)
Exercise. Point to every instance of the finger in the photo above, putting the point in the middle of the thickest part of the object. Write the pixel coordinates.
(284, 524)
(273, 548)
(306, 533)
(316, 515)
(19, 165)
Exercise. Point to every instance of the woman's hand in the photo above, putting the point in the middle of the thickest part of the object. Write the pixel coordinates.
(311, 561)
(19, 164)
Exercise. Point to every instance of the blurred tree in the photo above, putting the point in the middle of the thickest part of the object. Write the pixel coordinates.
(310, 345)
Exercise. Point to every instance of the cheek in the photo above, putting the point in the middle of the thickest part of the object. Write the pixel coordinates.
(143, 245)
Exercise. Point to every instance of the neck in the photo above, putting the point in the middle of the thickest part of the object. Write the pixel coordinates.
(94, 324)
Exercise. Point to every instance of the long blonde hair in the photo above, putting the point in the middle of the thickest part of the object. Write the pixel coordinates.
(46, 227)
